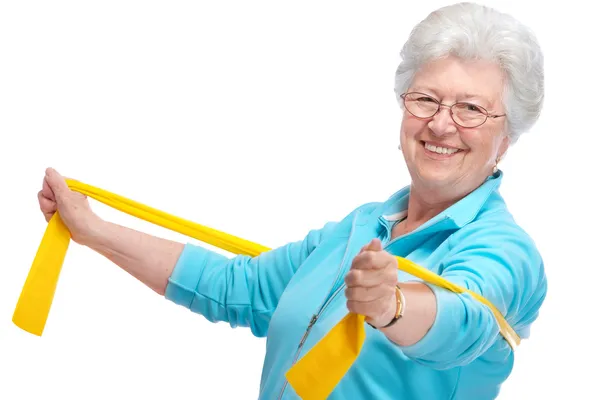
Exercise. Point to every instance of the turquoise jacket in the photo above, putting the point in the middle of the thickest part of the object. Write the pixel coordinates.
(300, 286)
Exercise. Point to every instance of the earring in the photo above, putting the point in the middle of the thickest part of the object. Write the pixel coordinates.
(495, 169)
(400, 147)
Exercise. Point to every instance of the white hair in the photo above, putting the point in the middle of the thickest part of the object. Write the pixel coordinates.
(473, 31)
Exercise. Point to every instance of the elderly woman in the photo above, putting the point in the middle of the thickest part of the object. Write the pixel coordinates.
(470, 82)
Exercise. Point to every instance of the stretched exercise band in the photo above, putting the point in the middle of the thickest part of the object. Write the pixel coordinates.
(314, 376)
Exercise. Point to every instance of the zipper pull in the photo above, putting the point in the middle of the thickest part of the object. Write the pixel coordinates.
(313, 320)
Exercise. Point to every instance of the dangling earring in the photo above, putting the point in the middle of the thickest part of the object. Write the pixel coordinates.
(495, 169)
(399, 147)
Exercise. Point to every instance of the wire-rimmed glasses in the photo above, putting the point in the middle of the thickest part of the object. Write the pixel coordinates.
(467, 115)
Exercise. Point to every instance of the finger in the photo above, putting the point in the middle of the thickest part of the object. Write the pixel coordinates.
(362, 294)
(369, 308)
(56, 182)
(46, 191)
(374, 245)
(47, 206)
(364, 248)
(370, 260)
(366, 278)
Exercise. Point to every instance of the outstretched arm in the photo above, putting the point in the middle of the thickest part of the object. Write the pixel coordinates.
(242, 290)
(148, 258)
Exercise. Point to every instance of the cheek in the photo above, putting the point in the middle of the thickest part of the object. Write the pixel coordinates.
(483, 143)
(411, 128)
(474, 140)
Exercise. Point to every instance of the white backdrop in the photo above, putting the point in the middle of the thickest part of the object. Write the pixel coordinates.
(261, 119)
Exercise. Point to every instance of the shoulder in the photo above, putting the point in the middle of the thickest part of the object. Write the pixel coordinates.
(494, 230)
(495, 226)
(364, 210)
(502, 259)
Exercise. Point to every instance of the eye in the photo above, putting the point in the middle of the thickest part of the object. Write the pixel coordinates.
(472, 108)
(469, 108)
(426, 99)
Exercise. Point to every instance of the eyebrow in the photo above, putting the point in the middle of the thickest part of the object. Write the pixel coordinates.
(477, 96)
(466, 95)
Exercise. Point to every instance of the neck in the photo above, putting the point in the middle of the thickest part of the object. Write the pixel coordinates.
(425, 203)
(422, 207)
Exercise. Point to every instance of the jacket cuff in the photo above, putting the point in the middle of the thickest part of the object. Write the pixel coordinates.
(183, 282)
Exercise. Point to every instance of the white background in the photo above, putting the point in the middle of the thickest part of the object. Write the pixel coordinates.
(261, 119)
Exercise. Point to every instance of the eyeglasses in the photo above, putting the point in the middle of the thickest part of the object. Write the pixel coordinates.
(467, 115)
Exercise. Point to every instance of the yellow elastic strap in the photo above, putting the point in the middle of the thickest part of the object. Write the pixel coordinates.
(314, 376)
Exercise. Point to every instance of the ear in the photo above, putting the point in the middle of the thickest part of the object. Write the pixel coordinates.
(503, 147)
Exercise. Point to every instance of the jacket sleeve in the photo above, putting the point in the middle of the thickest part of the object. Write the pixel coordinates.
(500, 262)
(242, 290)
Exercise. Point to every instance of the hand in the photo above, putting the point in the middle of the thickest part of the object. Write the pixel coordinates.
(371, 284)
(73, 207)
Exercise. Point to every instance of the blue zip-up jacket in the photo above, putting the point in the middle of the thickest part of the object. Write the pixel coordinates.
(474, 243)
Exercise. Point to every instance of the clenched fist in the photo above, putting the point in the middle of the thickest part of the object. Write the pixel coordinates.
(73, 207)
(371, 284)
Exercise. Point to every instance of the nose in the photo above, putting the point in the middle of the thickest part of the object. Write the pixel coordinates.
(442, 124)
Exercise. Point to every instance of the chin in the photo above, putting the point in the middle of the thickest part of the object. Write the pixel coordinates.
(437, 177)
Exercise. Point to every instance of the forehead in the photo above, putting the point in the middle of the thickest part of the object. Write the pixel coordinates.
(458, 79)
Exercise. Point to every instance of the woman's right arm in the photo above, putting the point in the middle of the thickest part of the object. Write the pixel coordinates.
(242, 290)
(148, 258)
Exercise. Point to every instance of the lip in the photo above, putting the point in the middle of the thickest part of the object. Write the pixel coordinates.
(438, 156)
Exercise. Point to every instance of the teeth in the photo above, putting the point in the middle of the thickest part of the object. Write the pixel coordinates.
(440, 150)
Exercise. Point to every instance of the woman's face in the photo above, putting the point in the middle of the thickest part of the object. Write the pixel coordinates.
(467, 155)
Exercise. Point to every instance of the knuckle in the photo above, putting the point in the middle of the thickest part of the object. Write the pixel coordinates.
(348, 293)
(350, 305)
(380, 261)
(353, 277)
(364, 294)
(41, 197)
(348, 278)
(370, 257)
(392, 276)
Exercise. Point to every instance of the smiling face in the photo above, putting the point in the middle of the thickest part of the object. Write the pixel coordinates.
(442, 156)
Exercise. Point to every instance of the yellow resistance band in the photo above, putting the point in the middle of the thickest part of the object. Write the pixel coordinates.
(314, 376)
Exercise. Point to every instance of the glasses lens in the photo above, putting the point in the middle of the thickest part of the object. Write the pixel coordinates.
(468, 115)
(420, 105)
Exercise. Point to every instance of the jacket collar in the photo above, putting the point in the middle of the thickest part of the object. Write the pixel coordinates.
(456, 216)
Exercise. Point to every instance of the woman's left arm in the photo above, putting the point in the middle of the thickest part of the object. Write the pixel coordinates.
(443, 329)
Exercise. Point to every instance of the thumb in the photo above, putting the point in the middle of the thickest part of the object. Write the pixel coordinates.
(374, 245)
(56, 182)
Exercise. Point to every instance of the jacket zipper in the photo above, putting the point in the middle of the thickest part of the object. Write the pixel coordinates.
(322, 308)
(422, 227)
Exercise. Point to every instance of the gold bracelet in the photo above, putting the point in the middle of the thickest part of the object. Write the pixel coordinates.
(400, 302)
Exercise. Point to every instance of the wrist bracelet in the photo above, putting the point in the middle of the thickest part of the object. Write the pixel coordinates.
(400, 304)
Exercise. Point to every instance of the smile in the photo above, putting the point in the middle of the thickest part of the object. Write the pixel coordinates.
(448, 151)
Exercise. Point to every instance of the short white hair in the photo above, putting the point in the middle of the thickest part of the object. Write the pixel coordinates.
(473, 31)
